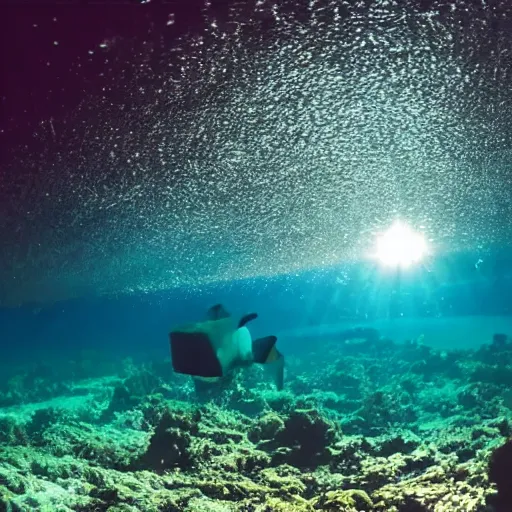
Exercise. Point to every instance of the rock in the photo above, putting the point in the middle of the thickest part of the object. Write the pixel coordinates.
(308, 436)
(170, 445)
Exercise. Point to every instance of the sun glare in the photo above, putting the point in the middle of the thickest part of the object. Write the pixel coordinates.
(400, 246)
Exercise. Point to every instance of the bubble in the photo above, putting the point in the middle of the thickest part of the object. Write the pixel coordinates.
(277, 137)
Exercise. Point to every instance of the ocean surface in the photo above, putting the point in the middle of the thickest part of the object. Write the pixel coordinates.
(253, 154)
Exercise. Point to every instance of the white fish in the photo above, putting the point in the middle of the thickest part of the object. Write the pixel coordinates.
(212, 349)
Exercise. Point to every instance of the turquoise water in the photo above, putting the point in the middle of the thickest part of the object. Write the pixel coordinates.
(451, 302)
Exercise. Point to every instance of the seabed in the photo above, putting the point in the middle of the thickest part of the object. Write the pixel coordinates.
(362, 425)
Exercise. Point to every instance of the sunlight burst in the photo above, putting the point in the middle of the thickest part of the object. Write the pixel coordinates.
(400, 246)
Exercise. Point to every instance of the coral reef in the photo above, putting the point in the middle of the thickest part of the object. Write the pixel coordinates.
(382, 427)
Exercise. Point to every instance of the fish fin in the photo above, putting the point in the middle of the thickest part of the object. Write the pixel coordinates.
(275, 365)
(217, 312)
(247, 318)
(265, 352)
(262, 347)
(192, 353)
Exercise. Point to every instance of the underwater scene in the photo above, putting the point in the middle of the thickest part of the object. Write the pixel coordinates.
(256, 256)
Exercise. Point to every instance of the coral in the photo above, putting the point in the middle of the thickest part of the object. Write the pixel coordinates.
(141, 383)
(401, 443)
(12, 432)
(362, 431)
(40, 422)
(344, 501)
(305, 439)
(266, 428)
(121, 400)
(170, 445)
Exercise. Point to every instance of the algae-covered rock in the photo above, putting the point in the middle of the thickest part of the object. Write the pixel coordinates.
(266, 428)
(170, 445)
(41, 420)
(305, 439)
(141, 383)
(121, 400)
(400, 443)
(352, 500)
(131, 441)
(13, 432)
(347, 454)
